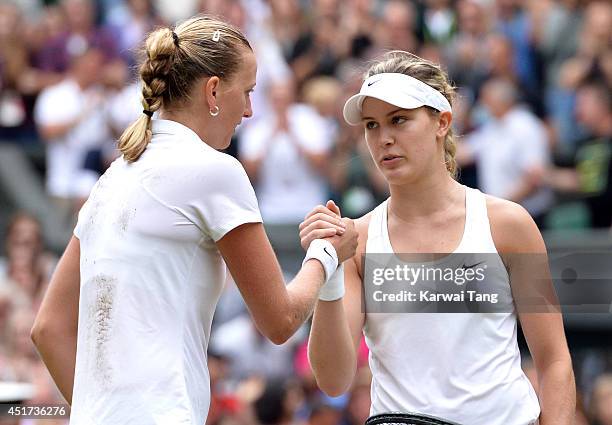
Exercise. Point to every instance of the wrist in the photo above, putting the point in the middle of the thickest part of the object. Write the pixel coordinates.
(323, 251)
(333, 289)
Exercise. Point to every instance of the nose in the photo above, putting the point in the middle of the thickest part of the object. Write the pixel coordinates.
(248, 111)
(386, 138)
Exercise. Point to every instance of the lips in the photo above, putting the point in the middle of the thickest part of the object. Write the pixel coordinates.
(390, 159)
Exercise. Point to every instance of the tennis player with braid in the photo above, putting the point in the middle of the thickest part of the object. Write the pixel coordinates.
(462, 367)
(145, 268)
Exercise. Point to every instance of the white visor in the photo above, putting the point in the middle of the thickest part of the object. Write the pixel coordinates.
(397, 89)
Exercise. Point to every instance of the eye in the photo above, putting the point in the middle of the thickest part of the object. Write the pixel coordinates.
(370, 125)
(398, 120)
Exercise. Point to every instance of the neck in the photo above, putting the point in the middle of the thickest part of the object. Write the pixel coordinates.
(198, 123)
(423, 198)
(605, 129)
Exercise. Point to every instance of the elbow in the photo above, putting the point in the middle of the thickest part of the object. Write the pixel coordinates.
(333, 388)
(335, 391)
(280, 335)
(282, 330)
(36, 333)
(43, 331)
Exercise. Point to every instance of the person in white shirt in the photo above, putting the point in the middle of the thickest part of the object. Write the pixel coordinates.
(510, 150)
(125, 325)
(285, 155)
(70, 118)
(463, 367)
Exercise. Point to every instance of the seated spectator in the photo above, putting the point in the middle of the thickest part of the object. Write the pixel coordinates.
(510, 151)
(28, 265)
(285, 155)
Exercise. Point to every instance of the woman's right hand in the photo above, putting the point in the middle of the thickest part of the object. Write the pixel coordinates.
(326, 223)
(346, 244)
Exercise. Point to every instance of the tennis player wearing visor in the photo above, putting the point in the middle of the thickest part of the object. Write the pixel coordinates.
(460, 367)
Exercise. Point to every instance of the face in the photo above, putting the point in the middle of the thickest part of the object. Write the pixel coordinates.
(405, 144)
(234, 100)
(589, 109)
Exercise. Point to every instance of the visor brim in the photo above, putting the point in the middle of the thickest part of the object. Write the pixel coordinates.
(352, 108)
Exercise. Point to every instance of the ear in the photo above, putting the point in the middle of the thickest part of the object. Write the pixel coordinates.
(445, 120)
(211, 87)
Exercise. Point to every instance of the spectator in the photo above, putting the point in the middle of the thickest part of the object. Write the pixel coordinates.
(590, 174)
(510, 151)
(29, 266)
(593, 52)
(285, 155)
(440, 21)
(81, 35)
(278, 403)
(396, 28)
(131, 23)
(252, 354)
(19, 81)
(515, 25)
(70, 118)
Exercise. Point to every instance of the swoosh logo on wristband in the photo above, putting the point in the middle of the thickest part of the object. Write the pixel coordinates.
(325, 250)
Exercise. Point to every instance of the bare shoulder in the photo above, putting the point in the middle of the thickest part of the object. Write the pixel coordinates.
(361, 225)
(512, 227)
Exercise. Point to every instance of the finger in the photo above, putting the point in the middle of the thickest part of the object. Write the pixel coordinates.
(319, 209)
(322, 217)
(317, 234)
(320, 225)
(331, 205)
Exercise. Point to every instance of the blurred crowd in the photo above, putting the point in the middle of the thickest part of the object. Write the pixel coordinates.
(533, 108)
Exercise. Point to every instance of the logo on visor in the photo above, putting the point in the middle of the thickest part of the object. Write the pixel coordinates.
(372, 82)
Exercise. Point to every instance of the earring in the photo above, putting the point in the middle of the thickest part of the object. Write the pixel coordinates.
(215, 111)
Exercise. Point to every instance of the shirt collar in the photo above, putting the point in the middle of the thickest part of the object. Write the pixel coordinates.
(174, 128)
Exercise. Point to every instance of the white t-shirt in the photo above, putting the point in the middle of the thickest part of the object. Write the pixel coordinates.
(287, 186)
(505, 150)
(61, 104)
(151, 276)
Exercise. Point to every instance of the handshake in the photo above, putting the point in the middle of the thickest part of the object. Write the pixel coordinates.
(331, 239)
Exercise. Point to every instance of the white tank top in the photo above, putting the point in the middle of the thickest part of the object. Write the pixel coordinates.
(464, 367)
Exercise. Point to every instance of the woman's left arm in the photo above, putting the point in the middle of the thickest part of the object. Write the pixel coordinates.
(524, 254)
(55, 329)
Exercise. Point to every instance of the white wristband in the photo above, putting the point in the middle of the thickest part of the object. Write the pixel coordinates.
(325, 252)
(333, 289)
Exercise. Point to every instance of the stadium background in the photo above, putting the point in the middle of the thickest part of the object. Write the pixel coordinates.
(534, 109)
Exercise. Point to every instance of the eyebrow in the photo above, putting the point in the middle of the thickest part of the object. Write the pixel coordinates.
(388, 114)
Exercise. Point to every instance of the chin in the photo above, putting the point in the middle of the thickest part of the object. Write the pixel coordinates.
(402, 176)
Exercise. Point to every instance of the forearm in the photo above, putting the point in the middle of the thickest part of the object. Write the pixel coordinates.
(522, 190)
(557, 394)
(51, 132)
(58, 352)
(301, 298)
(330, 348)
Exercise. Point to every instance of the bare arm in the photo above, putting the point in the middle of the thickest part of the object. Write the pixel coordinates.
(51, 132)
(542, 324)
(55, 329)
(336, 332)
(278, 310)
(335, 335)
